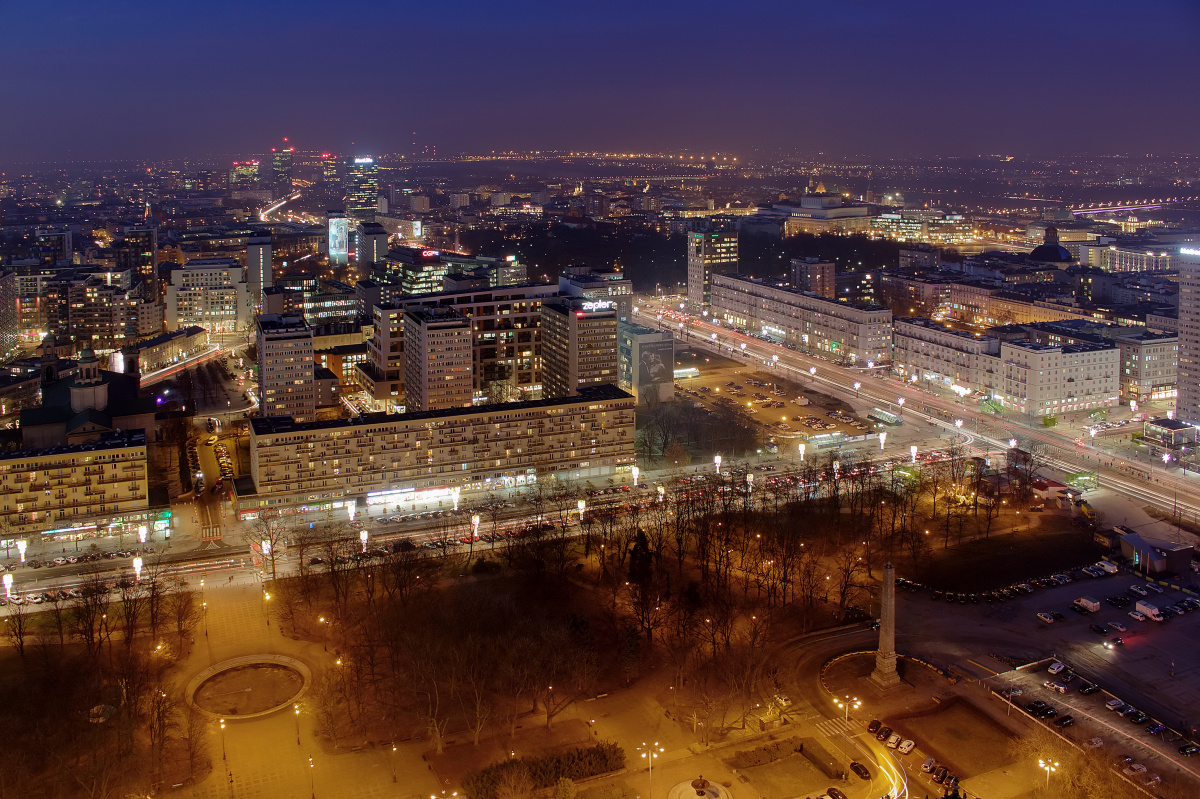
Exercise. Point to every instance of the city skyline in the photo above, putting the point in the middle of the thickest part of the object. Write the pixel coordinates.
(942, 78)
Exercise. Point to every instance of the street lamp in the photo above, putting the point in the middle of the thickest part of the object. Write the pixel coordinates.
(900, 402)
(311, 783)
(22, 545)
(475, 525)
(324, 634)
(882, 439)
(650, 751)
(845, 704)
(812, 373)
(8, 581)
(716, 462)
(857, 386)
(142, 532)
(1049, 767)
(635, 472)
(223, 757)
(297, 709)
(802, 453)
(137, 567)
(362, 536)
(582, 506)
(1012, 443)
(662, 493)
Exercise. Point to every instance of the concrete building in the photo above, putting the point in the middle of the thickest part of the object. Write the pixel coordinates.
(646, 364)
(1188, 404)
(370, 243)
(1126, 257)
(1041, 380)
(437, 359)
(166, 349)
(506, 359)
(820, 213)
(209, 293)
(260, 270)
(381, 459)
(579, 345)
(76, 489)
(709, 253)
(815, 276)
(854, 334)
(599, 285)
(954, 359)
(913, 295)
(285, 367)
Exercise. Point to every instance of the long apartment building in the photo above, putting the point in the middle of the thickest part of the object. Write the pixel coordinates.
(387, 459)
(1026, 376)
(853, 333)
(58, 490)
(505, 351)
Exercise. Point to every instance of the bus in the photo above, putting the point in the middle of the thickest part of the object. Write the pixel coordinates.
(887, 417)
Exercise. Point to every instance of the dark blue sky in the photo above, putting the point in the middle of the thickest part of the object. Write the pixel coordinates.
(130, 79)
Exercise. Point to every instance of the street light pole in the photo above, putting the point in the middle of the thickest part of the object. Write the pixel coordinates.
(845, 704)
(297, 709)
(650, 751)
(1049, 767)
(311, 782)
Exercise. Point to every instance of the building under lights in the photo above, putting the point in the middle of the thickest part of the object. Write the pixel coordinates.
(362, 189)
(1188, 403)
(709, 253)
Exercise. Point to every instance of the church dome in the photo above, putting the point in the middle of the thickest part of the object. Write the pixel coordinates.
(87, 356)
(1050, 251)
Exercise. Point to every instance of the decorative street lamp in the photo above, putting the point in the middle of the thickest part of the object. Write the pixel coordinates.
(912, 451)
(582, 506)
(475, 524)
(142, 532)
(362, 536)
(802, 453)
(137, 567)
(716, 462)
(650, 751)
(857, 386)
(21, 546)
(749, 484)
(456, 492)
(351, 509)
(8, 580)
(1049, 767)
(636, 471)
(812, 373)
(1012, 443)
(662, 493)
(900, 402)
(882, 439)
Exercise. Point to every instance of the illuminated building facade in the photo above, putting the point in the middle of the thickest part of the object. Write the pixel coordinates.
(709, 252)
(579, 345)
(362, 189)
(1188, 404)
(337, 227)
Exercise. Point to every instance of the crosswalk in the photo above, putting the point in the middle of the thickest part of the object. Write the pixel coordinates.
(833, 727)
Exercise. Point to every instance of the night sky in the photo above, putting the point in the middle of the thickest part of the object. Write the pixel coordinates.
(90, 80)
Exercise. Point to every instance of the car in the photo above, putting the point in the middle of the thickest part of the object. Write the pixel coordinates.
(1115, 705)
(1058, 616)
(1137, 589)
(860, 770)
(1156, 589)
(1189, 749)
(1088, 688)
(1057, 668)
(1046, 617)
(928, 765)
(1155, 728)
(1064, 721)
(1137, 615)
(893, 741)
(1093, 743)
(1082, 611)
(1056, 687)
(906, 746)
(211, 440)
(1129, 710)
(1099, 629)
(834, 793)
(1114, 643)
(1138, 718)
(1116, 625)
(883, 734)
(939, 776)
(1009, 693)
(1133, 769)
(1046, 713)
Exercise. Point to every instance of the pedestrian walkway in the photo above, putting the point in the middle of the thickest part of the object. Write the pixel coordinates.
(833, 727)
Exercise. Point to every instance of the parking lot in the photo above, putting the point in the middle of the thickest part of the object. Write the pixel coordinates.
(1154, 668)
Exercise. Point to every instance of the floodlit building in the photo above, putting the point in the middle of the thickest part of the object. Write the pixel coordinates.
(209, 293)
(285, 367)
(1188, 403)
(362, 189)
(709, 253)
(437, 359)
(382, 459)
(852, 333)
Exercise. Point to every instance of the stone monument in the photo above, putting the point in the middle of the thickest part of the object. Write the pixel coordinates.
(885, 675)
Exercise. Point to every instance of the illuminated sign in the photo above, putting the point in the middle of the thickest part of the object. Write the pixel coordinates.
(364, 160)
(1188, 251)
(598, 305)
(429, 253)
(339, 237)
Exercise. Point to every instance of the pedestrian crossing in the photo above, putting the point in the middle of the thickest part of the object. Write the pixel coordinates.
(833, 727)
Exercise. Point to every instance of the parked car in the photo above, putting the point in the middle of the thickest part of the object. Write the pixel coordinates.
(860, 770)
(929, 764)
(874, 726)
(906, 746)
(1057, 668)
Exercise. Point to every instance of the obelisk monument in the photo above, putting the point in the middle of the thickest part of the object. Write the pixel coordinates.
(885, 675)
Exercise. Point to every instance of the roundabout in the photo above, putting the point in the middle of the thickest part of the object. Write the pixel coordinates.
(248, 687)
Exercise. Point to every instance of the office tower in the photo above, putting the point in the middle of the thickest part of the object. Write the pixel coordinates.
(1188, 402)
(709, 252)
(281, 172)
(371, 243)
(815, 276)
(285, 367)
(9, 337)
(337, 228)
(437, 359)
(579, 345)
(460, 201)
(362, 189)
(329, 169)
(259, 271)
(137, 251)
(244, 175)
(600, 285)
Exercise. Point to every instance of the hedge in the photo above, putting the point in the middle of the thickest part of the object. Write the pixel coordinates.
(543, 772)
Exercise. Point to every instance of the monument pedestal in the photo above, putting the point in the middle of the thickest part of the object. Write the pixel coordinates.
(885, 676)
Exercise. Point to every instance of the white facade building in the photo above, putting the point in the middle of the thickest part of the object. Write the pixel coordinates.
(210, 293)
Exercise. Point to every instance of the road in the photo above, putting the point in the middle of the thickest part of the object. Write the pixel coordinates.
(1168, 492)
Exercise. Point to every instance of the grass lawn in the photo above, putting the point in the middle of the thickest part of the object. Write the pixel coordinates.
(790, 776)
(962, 739)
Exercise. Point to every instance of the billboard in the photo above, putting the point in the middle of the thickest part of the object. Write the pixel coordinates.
(656, 371)
(339, 240)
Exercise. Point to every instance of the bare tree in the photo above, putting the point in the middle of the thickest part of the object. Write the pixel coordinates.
(18, 627)
(268, 534)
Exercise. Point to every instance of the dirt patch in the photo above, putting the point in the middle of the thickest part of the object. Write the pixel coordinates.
(1054, 544)
(244, 690)
(962, 738)
(790, 776)
(457, 760)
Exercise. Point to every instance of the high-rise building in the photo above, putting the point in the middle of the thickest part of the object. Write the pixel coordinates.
(579, 345)
(1188, 403)
(815, 276)
(709, 252)
(329, 169)
(285, 367)
(362, 189)
(437, 359)
(260, 273)
(371, 243)
(244, 175)
(137, 251)
(337, 228)
(281, 172)
(210, 293)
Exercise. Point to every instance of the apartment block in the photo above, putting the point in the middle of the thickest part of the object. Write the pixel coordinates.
(710, 252)
(211, 293)
(76, 489)
(390, 459)
(437, 359)
(285, 367)
(852, 333)
(956, 359)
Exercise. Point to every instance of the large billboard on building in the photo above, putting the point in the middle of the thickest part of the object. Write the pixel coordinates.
(339, 239)
(656, 368)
